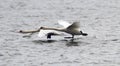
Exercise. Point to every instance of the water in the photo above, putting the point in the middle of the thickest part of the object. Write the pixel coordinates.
(100, 19)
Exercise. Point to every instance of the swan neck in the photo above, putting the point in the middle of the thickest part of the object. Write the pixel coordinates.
(52, 29)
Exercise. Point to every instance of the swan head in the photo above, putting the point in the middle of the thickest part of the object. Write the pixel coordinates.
(42, 27)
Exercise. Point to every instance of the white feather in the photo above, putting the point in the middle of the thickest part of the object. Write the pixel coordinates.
(75, 25)
(65, 24)
(43, 33)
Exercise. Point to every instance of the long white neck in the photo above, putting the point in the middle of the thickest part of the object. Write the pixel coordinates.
(57, 29)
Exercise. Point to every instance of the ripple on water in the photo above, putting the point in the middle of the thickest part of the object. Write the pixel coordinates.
(44, 41)
(1, 55)
(114, 39)
(67, 42)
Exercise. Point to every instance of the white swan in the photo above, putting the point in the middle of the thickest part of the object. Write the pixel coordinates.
(73, 29)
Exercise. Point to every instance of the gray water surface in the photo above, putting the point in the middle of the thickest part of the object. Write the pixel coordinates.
(99, 18)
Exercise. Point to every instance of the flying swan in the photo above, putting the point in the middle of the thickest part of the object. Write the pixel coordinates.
(72, 29)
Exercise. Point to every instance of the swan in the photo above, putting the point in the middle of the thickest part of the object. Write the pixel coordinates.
(72, 29)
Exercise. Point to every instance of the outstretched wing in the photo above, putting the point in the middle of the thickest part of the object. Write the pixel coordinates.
(65, 24)
(75, 25)
(43, 33)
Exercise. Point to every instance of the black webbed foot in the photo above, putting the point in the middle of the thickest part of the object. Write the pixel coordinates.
(83, 34)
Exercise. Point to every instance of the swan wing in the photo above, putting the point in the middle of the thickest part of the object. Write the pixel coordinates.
(75, 25)
(43, 33)
(65, 24)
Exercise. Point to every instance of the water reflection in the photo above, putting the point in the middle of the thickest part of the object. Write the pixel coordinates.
(72, 42)
(67, 42)
(44, 41)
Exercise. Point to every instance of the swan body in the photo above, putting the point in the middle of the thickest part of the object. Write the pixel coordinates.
(73, 29)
